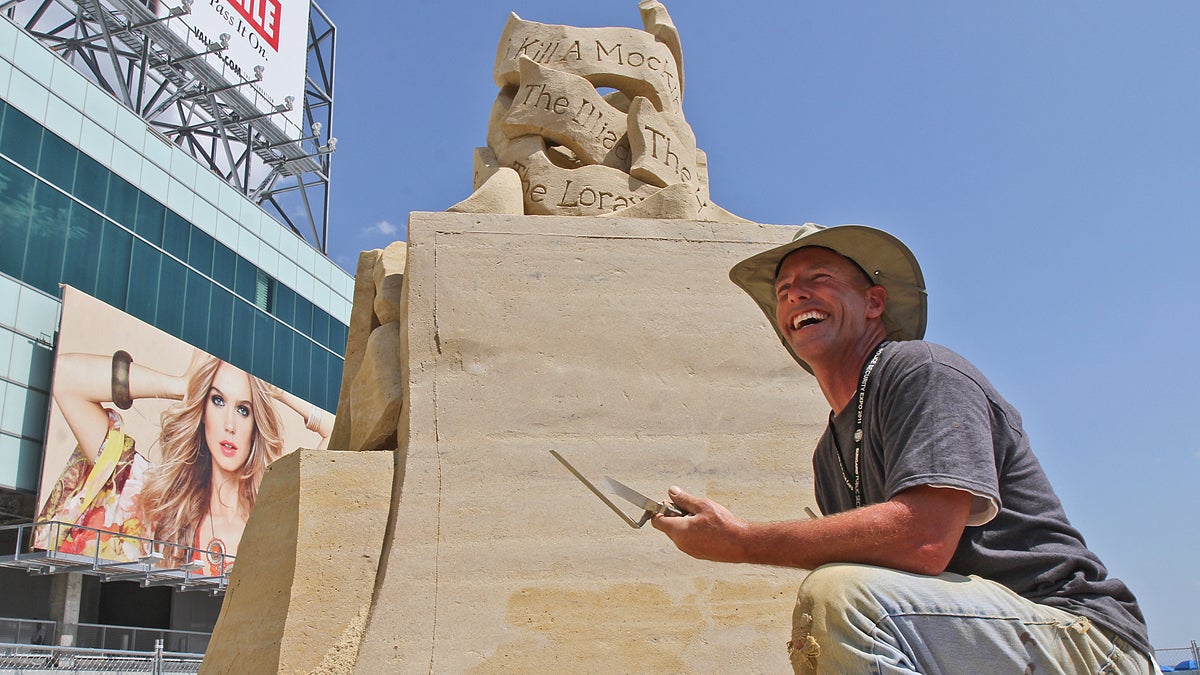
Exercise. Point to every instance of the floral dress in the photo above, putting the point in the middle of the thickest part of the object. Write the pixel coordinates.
(95, 509)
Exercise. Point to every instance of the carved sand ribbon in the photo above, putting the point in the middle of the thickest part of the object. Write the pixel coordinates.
(589, 122)
(622, 58)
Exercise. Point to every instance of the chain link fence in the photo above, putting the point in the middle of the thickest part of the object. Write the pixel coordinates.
(29, 659)
(1180, 659)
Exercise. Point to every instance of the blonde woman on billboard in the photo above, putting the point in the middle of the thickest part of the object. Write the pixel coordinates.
(216, 443)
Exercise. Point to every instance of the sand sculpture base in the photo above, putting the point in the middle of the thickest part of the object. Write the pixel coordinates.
(619, 343)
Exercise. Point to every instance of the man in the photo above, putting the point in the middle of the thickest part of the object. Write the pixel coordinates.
(944, 548)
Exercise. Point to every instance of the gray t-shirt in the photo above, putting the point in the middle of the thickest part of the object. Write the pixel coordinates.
(931, 418)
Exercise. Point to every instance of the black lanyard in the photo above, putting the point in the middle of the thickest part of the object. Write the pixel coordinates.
(855, 486)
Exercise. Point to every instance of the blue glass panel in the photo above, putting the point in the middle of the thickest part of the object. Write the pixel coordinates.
(196, 312)
(91, 182)
(57, 161)
(143, 282)
(302, 368)
(335, 385)
(242, 335)
(338, 334)
(21, 138)
(149, 221)
(176, 233)
(320, 376)
(224, 265)
(246, 281)
(172, 306)
(200, 251)
(122, 201)
(282, 371)
(304, 314)
(16, 203)
(47, 238)
(264, 345)
(220, 321)
(112, 278)
(285, 304)
(81, 264)
(320, 327)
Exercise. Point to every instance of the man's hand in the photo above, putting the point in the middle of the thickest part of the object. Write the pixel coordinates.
(709, 532)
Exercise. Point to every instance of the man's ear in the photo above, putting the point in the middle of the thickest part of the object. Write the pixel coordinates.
(876, 301)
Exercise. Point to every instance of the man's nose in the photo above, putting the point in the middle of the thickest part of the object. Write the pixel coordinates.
(795, 292)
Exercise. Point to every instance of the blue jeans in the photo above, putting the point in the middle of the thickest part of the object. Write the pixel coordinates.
(862, 619)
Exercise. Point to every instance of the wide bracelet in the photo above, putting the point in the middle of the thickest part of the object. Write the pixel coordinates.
(120, 379)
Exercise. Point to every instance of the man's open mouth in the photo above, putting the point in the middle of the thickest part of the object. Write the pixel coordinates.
(808, 318)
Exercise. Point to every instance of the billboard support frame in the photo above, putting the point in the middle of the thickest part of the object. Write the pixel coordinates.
(131, 53)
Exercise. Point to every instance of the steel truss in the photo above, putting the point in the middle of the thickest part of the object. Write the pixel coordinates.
(123, 47)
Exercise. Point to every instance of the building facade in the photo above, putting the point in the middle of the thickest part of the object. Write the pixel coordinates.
(94, 198)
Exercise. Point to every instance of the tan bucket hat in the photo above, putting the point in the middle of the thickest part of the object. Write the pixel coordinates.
(883, 257)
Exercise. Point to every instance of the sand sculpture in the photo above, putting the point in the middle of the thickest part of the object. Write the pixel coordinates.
(438, 534)
(589, 122)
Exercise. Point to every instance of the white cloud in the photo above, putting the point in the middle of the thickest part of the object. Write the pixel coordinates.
(382, 227)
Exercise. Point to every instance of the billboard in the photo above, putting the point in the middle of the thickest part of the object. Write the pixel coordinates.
(154, 447)
(271, 34)
(267, 34)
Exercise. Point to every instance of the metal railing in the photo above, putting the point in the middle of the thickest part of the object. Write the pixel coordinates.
(149, 569)
(1179, 659)
(28, 631)
(15, 658)
(133, 638)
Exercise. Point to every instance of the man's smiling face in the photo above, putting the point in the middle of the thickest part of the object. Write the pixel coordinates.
(823, 302)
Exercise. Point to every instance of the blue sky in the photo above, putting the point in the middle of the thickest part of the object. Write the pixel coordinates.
(1041, 159)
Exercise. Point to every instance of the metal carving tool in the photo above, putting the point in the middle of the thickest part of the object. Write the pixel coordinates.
(650, 507)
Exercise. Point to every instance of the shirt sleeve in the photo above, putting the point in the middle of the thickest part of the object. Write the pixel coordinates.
(936, 430)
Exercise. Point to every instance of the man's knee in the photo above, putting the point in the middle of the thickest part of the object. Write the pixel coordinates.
(834, 604)
(841, 585)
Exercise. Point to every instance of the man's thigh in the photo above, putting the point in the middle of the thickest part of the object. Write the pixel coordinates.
(857, 618)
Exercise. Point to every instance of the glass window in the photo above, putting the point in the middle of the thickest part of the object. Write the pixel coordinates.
(82, 259)
(176, 233)
(320, 327)
(196, 308)
(304, 316)
(338, 334)
(21, 138)
(224, 265)
(47, 238)
(264, 345)
(318, 375)
(334, 388)
(302, 367)
(285, 304)
(200, 251)
(264, 291)
(220, 319)
(122, 201)
(247, 279)
(242, 335)
(281, 374)
(16, 203)
(91, 182)
(57, 162)
(112, 279)
(149, 221)
(143, 282)
(172, 302)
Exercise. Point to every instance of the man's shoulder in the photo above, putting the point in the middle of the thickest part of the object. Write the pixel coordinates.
(918, 352)
(906, 356)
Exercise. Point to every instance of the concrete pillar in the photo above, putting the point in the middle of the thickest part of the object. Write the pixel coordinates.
(66, 604)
